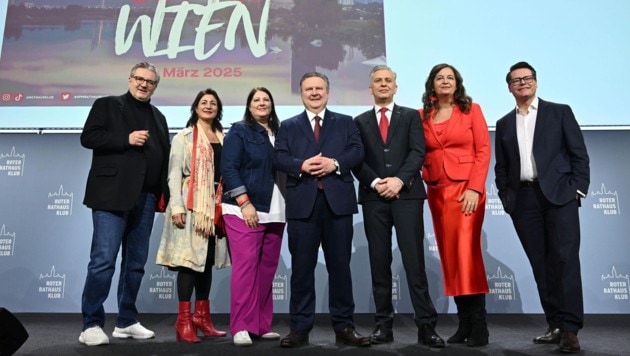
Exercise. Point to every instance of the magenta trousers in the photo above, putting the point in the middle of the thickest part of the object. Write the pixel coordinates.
(255, 253)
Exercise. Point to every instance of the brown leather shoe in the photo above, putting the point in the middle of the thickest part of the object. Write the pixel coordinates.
(552, 336)
(569, 343)
(294, 339)
(351, 337)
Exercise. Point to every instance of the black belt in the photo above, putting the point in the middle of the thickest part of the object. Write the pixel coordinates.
(529, 183)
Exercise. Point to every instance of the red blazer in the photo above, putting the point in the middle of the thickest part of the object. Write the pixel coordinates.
(462, 152)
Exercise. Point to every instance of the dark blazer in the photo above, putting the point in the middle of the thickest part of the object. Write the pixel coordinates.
(117, 172)
(295, 142)
(401, 157)
(559, 151)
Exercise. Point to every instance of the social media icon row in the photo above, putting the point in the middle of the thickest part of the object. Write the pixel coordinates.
(18, 97)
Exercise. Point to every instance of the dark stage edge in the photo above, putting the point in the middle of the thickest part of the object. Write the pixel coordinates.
(510, 334)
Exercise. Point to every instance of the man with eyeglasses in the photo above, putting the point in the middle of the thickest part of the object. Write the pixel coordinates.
(129, 140)
(542, 172)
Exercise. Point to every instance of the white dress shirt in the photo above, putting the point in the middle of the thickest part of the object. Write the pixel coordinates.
(525, 126)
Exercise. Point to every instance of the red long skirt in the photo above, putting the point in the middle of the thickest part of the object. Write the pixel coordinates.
(458, 239)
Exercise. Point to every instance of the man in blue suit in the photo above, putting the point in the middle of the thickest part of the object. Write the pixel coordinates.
(542, 172)
(317, 150)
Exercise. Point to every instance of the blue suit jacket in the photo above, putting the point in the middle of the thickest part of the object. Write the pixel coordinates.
(295, 143)
(559, 151)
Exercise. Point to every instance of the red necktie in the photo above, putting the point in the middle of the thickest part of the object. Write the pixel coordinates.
(316, 128)
(383, 125)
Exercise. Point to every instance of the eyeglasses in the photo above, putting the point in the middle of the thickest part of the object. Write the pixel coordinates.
(526, 80)
(141, 80)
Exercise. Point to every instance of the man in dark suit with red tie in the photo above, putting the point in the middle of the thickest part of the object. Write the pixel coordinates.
(542, 172)
(392, 195)
(317, 149)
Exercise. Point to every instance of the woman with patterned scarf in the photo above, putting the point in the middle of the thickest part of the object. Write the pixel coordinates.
(190, 234)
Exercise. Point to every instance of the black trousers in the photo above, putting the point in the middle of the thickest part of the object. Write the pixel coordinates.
(550, 235)
(405, 215)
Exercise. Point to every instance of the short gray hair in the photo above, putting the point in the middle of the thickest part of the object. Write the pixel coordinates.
(381, 67)
(146, 65)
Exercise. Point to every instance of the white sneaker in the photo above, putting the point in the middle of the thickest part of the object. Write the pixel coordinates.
(136, 331)
(242, 338)
(93, 336)
(271, 336)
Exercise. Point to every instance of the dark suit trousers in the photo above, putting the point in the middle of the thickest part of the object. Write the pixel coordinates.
(334, 233)
(406, 216)
(550, 235)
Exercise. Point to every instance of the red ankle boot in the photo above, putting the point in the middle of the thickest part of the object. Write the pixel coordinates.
(184, 329)
(201, 319)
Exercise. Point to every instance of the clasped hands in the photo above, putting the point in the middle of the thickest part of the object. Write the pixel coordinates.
(389, 188)
(319, 166)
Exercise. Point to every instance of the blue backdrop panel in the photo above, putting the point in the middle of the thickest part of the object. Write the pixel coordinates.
(45, 235)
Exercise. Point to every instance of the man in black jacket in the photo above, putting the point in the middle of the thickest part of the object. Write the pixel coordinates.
(129, 141)
(392, 195)
(542, 173)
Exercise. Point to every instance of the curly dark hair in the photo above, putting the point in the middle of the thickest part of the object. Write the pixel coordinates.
(216, 123)
(274, 122)
(460, 98)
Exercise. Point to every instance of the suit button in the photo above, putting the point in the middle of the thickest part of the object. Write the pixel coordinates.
(386, 150)
(387, 165)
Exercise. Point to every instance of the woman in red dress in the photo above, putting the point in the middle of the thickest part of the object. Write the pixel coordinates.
(455, 170)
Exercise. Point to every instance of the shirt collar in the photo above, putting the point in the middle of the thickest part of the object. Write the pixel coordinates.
(533, 106)
(390, 108)
(312, 115)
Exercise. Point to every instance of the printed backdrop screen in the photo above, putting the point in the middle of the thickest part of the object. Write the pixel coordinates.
(58, 56)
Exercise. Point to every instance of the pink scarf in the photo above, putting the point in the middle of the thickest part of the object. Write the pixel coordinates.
(201, 194)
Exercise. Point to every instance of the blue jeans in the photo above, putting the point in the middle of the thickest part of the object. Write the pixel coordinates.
(113, 229)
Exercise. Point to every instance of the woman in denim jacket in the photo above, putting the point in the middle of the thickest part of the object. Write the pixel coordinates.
(254, 214)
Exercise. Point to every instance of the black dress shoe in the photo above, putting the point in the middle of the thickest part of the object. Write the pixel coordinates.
(428, 336)
(294, 339)
(552, 336)
(351, 337)
(569, 343)
(381, 335)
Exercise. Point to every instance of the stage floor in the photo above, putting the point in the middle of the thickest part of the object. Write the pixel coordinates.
(57, 334)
